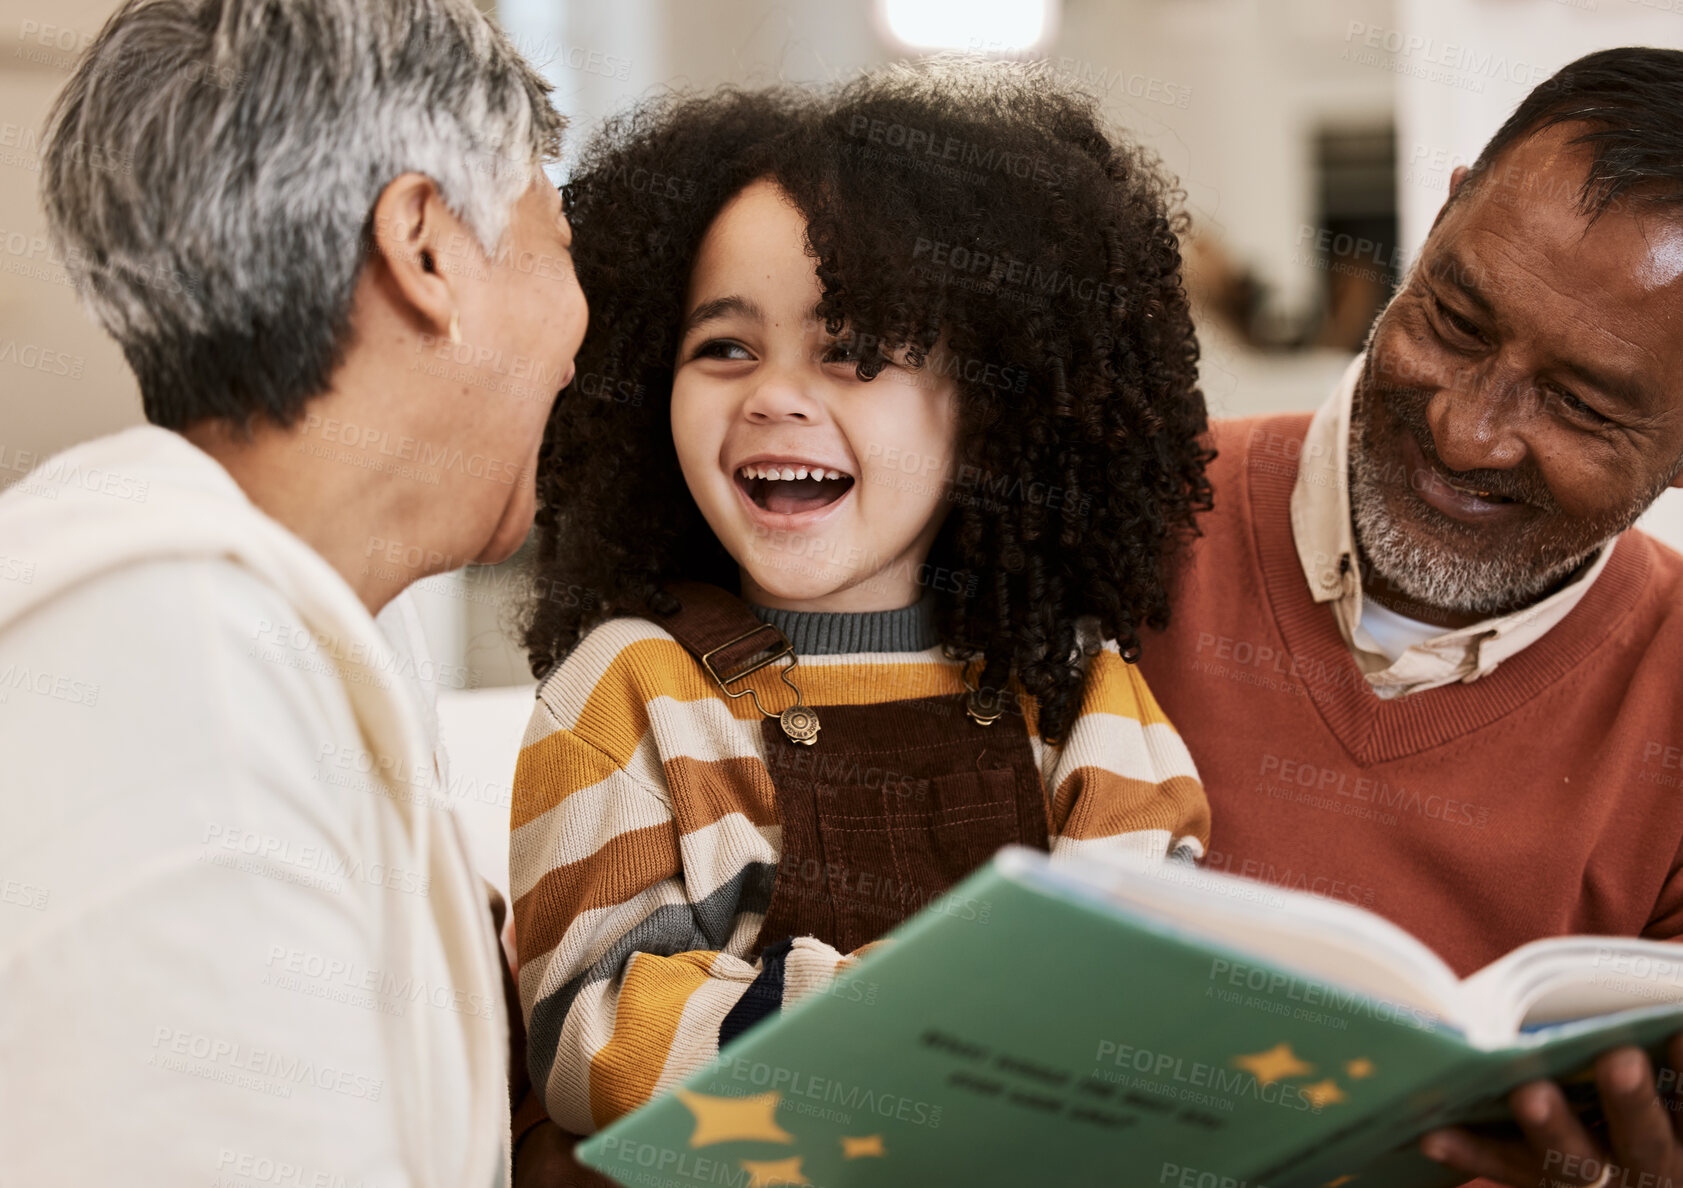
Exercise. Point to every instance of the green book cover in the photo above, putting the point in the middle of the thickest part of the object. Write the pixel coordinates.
(1076, 1024)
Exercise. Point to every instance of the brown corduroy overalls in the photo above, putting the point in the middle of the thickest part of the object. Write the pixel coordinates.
(888, 806)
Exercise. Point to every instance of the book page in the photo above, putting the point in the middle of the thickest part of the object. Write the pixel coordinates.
(1324, 939)
(1561, 979)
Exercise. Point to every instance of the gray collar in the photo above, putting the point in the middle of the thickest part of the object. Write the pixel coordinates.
(831, 633)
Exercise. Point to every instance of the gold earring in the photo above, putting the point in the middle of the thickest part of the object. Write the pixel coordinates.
(456, 326)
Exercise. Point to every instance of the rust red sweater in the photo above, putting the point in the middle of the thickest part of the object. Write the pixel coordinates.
(1545, 798)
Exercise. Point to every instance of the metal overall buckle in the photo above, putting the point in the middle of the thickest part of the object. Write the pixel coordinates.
(799, 722)
(984, 711)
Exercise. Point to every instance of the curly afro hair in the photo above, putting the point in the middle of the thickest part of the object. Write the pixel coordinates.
(976, 218)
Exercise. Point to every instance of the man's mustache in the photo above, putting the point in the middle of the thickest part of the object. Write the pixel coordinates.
(1406, 408)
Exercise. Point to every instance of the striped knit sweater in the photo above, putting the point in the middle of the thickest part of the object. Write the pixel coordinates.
(646, 841)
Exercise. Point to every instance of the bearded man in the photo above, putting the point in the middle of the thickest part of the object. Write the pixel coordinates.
(1423, 660)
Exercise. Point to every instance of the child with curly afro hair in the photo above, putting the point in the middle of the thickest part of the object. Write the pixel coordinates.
(883, 444)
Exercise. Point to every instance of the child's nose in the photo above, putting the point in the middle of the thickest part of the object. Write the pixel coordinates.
(780, 398)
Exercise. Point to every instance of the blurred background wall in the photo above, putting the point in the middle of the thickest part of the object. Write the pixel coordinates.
(1313, 138)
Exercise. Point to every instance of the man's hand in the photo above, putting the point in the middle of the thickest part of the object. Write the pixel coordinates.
(1643, 1124)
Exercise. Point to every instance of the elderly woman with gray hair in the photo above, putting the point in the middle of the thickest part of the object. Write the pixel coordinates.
(240, 940)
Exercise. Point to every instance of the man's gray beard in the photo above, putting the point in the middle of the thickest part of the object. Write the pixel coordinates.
(1425, 572)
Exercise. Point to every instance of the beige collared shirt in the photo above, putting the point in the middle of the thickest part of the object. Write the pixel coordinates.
(1326, 545)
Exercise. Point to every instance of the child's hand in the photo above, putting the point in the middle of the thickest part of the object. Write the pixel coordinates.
(854, 956)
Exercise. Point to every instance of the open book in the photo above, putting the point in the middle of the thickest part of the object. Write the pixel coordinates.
(1080, 1023)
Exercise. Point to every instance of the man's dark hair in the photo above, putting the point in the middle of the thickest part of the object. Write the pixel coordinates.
(1630, 100)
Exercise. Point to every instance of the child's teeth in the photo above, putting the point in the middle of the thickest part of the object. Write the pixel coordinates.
(774, 473)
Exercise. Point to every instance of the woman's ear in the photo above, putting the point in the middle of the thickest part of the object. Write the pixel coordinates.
(417, 247)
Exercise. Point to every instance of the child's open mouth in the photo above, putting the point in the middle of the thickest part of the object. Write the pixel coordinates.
(790, 488)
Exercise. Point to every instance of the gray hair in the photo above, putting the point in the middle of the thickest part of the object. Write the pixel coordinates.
(212, 166)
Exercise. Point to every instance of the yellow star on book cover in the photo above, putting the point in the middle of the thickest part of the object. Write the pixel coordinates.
(1273, 1065)
(859, 1148)
(1359, 1068)
(722, 1119)
(1323, 1093)
(769, 1173)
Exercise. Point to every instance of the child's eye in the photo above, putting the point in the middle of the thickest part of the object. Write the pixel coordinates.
(855, 352)
(721, 348)
(841, 350)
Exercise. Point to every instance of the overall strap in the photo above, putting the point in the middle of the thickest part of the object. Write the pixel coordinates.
(718, 629)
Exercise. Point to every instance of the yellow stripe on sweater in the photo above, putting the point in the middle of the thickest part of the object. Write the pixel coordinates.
(550, 769)
(650, 668)
(614, 715)
(651, 1002)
